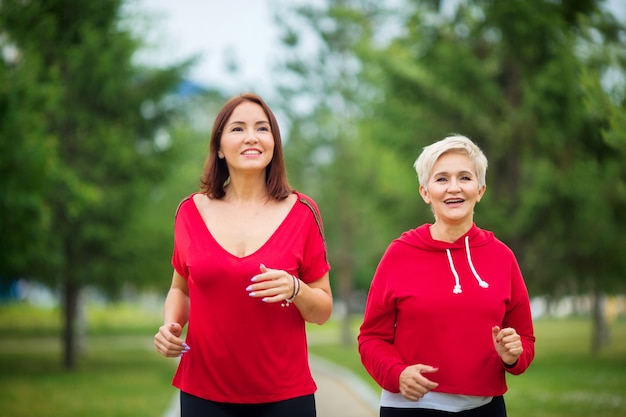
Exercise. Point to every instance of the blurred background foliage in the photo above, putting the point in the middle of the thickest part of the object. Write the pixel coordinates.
(96, 151)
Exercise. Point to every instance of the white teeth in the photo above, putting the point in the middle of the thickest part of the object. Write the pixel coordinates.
(251, 153)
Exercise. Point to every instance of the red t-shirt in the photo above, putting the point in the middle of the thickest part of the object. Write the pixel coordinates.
(242, 349)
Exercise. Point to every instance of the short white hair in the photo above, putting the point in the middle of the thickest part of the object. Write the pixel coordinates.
(452, 144)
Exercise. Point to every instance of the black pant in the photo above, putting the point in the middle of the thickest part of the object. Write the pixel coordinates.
(495, 408)
(192, 406)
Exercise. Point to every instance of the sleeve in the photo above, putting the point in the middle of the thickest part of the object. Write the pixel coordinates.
(178, 264)
(518, 316)
(315, 258)
(179, 255)
(376, 337)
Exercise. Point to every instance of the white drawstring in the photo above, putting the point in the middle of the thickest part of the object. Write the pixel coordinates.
(457, 286)
(469, 259)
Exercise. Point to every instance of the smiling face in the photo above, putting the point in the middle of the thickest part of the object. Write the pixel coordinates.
(453, 189)
(247, 142)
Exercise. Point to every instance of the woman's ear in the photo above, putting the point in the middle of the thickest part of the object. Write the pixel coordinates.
(424, 194)
(481, 192)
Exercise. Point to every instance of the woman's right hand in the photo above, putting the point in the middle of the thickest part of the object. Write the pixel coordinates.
(167, 341)
(414, 385)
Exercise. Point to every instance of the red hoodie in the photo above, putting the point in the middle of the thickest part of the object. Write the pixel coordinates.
(435, 303)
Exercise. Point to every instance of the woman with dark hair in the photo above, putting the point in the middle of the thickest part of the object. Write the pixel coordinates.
(250, 268)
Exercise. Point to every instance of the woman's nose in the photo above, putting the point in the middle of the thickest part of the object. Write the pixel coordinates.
(453, 185)
(251, 135)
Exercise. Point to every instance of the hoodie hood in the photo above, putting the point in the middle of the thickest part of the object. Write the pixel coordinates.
(420, 238)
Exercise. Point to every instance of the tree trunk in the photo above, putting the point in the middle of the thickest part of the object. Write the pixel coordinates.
(599, 328)
(81, 323)
(71, 292)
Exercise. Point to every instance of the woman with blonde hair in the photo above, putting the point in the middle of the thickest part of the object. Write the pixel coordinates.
(448, 313)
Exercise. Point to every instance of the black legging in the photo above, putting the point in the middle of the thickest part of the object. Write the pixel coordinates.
(192, 406)
(495, 408)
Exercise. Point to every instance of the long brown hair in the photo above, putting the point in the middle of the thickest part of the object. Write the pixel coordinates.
(215, 169)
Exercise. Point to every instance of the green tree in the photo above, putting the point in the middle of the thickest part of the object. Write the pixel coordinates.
(24, 162)
(85, 128)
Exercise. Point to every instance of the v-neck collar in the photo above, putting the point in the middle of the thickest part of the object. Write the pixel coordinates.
(260, 248)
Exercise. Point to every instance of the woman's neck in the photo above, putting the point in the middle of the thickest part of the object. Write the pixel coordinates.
(245, 191)
(448, 232)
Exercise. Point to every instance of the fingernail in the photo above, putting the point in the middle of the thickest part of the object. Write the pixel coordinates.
(253, 279)
(252, 294)
(249, 288)
(264, 300)
(185, 345)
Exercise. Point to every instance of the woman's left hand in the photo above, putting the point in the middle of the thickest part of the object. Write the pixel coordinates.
(272, 285)
(508, 344)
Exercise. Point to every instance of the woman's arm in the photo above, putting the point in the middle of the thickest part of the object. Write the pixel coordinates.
(315, 300)
(176, 309)
(167, 341)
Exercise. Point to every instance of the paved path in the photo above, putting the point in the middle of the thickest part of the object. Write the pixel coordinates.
(339, 393)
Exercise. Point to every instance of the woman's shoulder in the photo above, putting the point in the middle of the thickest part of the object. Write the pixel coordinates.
(307, 202)
(186, 202)
(491, 242)
(305, 199)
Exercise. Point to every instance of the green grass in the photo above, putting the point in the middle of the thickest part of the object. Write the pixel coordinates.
(564, 380)
(120, 375)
